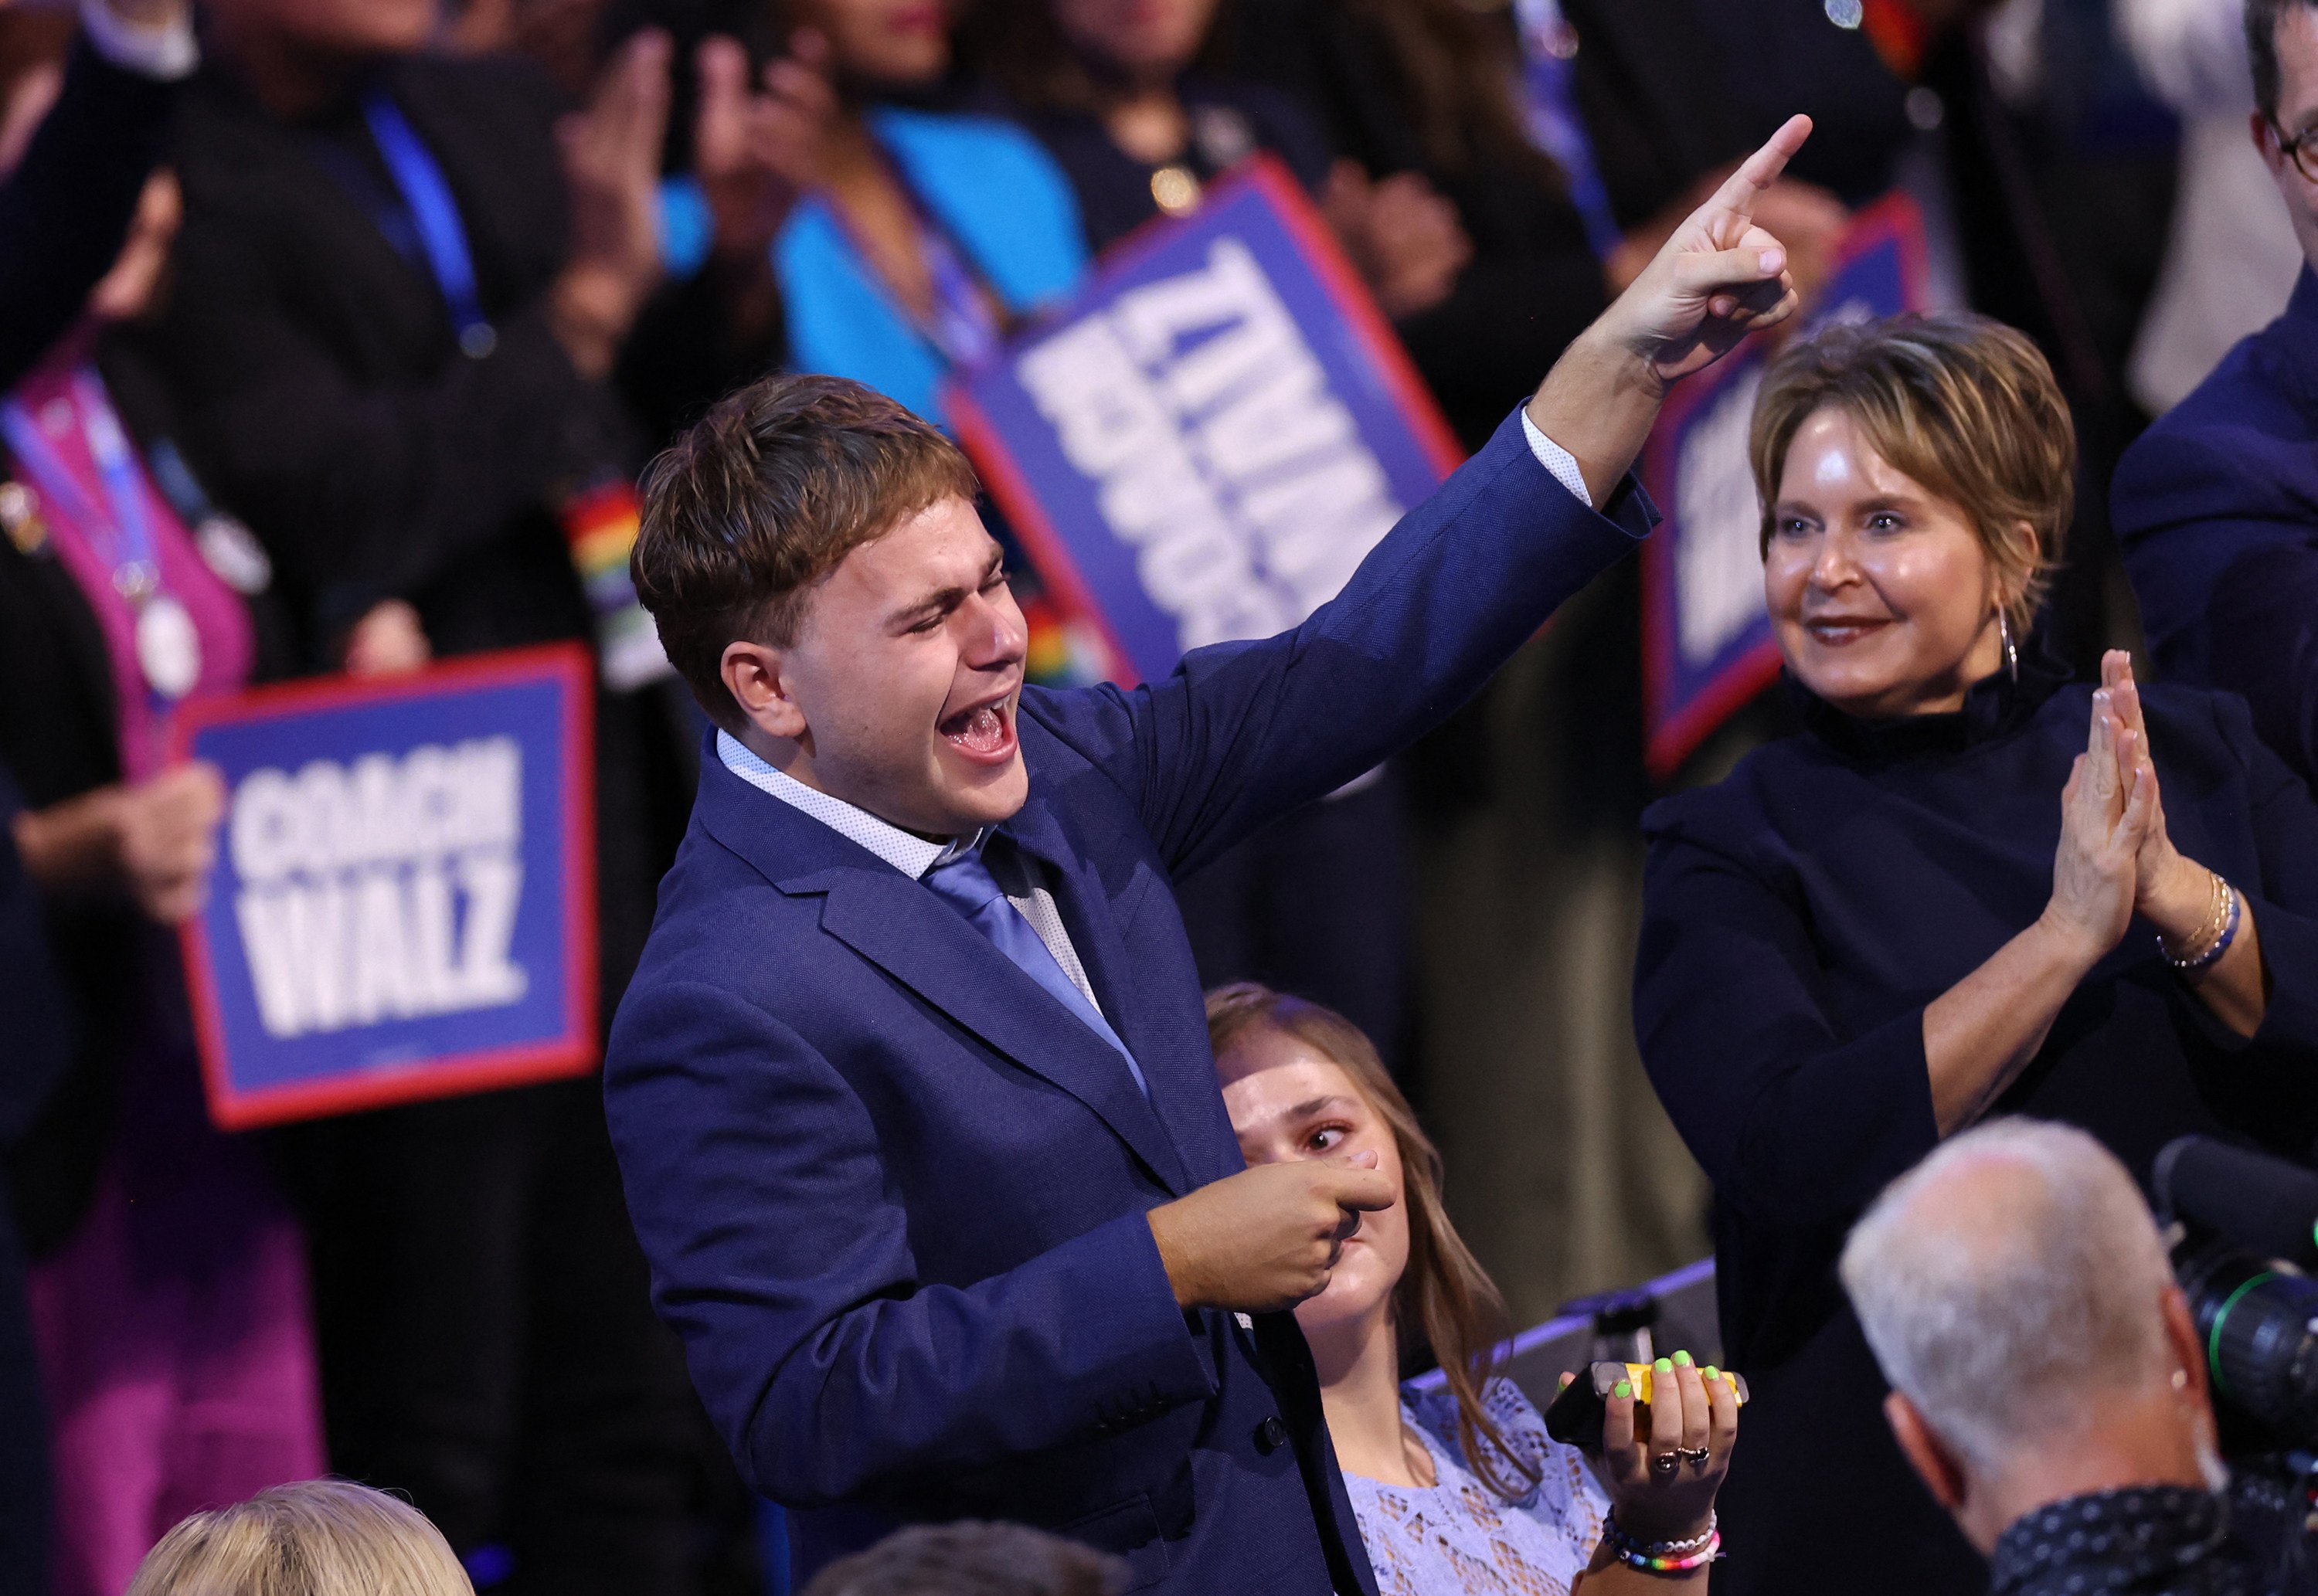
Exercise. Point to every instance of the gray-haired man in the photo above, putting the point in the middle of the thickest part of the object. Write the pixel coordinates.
(2047, 1382)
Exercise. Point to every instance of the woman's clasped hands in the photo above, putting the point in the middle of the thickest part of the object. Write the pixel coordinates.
(2116, 859)
(2109, 810)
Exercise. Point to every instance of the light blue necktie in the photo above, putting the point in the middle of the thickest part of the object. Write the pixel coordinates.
(966, 885)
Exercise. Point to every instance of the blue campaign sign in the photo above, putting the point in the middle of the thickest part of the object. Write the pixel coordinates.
(403, 903)
(1707, 646)
(1203, 445)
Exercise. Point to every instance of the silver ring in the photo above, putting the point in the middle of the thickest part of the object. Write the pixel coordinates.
(1696, 1456)
(1664, 1464)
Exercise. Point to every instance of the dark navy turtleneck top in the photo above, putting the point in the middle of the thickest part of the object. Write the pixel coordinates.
(1799, 916)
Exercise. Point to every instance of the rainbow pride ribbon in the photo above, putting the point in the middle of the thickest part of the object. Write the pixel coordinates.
(600, 526)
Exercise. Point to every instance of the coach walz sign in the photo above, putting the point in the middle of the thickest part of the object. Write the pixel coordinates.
(403, 902)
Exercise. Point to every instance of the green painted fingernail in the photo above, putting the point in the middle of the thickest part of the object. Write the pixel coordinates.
(1712, 1372)
(1682, 1359)
(1625, 1388)
(1665, 1366)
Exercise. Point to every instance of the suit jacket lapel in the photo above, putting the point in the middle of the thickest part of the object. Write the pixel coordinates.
(1186, 1099)
(903, 929)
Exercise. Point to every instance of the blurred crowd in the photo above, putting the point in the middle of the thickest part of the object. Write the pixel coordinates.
(393, 299)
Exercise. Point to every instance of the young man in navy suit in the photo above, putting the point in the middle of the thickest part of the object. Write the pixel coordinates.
(913, 1093)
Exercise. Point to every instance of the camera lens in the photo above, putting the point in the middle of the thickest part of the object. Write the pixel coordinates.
(2259, 1327)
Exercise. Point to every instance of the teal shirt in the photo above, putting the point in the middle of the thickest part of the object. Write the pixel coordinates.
(1007, 207)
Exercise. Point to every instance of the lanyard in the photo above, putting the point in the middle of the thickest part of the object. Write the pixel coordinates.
(425, 194)
(1548, 52)
(963, 327)
(125, 537)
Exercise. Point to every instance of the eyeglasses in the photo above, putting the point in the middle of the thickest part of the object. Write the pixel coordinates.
(2299, 149)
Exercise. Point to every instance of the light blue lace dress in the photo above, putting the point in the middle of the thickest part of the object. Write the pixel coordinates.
(1459, 1536)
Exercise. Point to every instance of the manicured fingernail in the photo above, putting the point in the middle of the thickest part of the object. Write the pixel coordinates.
(1665, 1366)
(1682, 1359)
(1772, 260)
(1711, 1371)
(1625, 1388)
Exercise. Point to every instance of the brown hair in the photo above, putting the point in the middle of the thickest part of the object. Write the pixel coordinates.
(1445, 1299)
(1961, 404)
(762, 498)
(316, 1537)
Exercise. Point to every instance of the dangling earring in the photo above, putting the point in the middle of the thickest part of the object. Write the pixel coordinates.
(2011, 654)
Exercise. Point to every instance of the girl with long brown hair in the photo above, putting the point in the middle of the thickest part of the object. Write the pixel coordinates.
(1457, 1490)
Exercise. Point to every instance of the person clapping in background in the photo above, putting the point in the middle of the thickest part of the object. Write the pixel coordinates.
(1968, 884)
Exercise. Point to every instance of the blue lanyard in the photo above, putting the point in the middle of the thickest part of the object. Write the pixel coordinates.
(125, 537)
(961, 327)
(1548, 46)
(434, 214)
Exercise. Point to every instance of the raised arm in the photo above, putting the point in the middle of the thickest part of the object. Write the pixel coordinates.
(1243, 731)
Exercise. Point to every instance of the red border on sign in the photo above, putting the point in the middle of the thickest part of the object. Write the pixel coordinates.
(575, 1052)
(1002, 473)
(1893, 219)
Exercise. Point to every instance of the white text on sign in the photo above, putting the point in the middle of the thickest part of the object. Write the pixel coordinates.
(1222, 458)
(383, 889)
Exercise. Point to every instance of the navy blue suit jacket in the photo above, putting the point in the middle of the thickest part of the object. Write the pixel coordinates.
(2216, 507)
(894, 1193)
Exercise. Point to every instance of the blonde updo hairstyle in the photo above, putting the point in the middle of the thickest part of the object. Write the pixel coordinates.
(316, 1537)
(1966, 406)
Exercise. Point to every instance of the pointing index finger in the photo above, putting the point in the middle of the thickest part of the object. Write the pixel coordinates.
(1758, 171)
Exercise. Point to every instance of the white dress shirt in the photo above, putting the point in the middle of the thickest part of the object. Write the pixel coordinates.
(914, 856)
(1556, 459)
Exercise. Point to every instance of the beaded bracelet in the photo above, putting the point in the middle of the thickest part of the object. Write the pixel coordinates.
(1663, 1556)
(2227, 914)
(1688, 1563)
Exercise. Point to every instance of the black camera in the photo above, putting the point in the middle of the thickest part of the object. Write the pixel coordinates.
(2248, 1232)
(2245, 1248)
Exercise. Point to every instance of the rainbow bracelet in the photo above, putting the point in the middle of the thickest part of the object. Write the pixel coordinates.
(1688, 1563)
(1669, 1556)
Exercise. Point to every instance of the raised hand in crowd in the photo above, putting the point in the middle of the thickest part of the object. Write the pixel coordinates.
(1266, 1238)
(1802, 216)
(154, 841)
(1401, 234)
(1718, 277)
(611, 160)
(756, 150)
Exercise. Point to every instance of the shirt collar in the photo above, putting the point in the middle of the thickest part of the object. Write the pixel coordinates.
(906, 852)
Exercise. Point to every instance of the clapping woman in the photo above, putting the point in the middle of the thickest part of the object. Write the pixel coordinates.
(1967, 886)
(1457, 1489)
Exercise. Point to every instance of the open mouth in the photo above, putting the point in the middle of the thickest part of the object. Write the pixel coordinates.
(1839, 629)
(984, 732)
